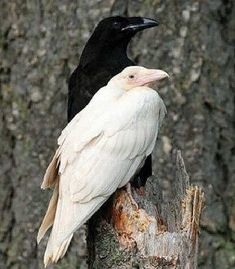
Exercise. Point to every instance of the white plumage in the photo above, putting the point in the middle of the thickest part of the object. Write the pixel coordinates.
(99, 151)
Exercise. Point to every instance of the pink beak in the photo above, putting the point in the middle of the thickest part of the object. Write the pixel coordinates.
(150, 76)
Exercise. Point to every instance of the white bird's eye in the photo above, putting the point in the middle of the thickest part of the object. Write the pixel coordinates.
(131, 76)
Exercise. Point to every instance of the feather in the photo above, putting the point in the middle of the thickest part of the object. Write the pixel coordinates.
(51, 175)
(69, 217)
(53, 254)
(50, 215)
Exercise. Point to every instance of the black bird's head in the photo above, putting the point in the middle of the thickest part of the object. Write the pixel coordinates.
(116, 29)
(110, 39)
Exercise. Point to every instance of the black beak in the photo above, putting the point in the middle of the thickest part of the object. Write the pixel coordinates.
(136, 24)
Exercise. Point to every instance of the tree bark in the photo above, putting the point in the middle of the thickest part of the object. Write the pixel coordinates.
(157, 234)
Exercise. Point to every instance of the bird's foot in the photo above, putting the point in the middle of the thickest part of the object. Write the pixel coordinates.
(129, 192)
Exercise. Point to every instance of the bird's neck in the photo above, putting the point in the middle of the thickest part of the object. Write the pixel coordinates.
(105, 54)
(116, 53)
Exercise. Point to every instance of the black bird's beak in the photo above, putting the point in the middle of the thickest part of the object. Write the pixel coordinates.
(136, 24)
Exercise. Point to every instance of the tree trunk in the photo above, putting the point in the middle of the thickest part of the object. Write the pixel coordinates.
(159, 234)
(40, 45)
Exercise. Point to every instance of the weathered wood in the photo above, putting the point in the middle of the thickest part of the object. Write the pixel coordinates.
(159, 234)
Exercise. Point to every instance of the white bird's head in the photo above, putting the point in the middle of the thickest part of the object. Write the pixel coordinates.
(137, 76)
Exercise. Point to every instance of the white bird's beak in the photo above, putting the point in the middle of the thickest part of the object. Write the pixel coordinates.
(150, 76)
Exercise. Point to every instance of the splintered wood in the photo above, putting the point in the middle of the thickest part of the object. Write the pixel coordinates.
(159, 233)
(155, 236)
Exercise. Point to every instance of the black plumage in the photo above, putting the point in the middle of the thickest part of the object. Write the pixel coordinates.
(105, 55)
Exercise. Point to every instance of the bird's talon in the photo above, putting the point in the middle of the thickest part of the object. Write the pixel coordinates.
(132, 200)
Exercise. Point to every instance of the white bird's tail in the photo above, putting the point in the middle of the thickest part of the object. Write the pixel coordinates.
(68, 218)
(54, 253)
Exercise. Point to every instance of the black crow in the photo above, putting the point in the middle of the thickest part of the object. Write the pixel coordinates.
(104, 56)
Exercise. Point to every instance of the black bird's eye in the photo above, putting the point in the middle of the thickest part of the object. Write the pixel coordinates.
(131, 76)
(116, 24)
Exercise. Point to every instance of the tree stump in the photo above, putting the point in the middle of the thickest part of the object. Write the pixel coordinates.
(157, 234)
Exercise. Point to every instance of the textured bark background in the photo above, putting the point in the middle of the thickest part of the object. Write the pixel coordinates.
(40, 44)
